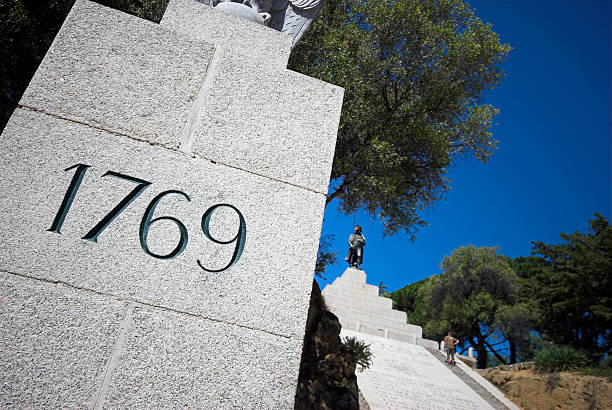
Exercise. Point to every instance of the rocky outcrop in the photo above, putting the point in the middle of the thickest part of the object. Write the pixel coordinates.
(327, 374)
(564, 390)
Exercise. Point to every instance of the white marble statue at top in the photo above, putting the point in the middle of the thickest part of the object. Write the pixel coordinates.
(292, 17)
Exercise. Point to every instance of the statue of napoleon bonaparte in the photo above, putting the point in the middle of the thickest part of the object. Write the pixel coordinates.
(356, 242)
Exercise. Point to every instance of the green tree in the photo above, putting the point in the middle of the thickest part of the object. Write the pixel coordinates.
(326, 255)
(572, 284)
(517, 322)
(414, 72)
(415, 300)
(475, 287)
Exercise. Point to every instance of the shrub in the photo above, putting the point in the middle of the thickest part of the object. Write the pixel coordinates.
(556, 358)
(359, 351)
(606, 363)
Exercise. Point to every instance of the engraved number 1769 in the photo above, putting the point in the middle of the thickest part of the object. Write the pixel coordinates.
(147, 219)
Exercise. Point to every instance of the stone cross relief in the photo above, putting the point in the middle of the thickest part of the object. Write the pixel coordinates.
(292, 17)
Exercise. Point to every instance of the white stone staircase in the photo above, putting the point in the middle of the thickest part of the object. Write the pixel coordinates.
(408, 371)
(359, 308)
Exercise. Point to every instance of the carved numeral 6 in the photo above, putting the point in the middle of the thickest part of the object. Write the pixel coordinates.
(147, 221)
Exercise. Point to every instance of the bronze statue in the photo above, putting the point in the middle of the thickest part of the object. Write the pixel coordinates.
(356, 242)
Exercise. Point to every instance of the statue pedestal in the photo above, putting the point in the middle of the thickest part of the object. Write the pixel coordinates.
(359, 308)
(153, 180)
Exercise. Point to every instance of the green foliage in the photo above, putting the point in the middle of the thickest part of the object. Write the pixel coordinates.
(27, 28)
(413, 72)
(572, 285)
(560, 358)
(359, 351)
(477, 285)
(598, 371)
(414, 299)
(604, 369)
(326, 255)
(493, 361)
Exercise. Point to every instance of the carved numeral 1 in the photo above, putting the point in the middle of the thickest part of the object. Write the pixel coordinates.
(56, 226)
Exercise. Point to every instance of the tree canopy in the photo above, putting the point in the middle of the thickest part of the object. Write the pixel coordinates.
(475, 286)
(572, 284)
(562, 294)
(414, 73)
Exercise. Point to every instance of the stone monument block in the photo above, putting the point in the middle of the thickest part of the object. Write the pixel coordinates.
(41, 325)
(252, 78)
(122, 74)
(154, 180)
(257, 44)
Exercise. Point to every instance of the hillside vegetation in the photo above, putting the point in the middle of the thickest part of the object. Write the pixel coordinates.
(510, 309)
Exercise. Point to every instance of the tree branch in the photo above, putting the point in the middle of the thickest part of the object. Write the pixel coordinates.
(339, 190)
(501, 359)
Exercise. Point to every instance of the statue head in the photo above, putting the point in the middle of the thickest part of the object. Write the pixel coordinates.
(357, 229)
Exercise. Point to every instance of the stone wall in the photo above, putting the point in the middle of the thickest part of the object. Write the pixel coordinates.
(154, 179)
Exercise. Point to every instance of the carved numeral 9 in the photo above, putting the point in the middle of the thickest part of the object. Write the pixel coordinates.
(240, 237)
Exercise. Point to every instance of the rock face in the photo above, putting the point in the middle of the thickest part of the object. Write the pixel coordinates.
(564, 390)
(327, 374)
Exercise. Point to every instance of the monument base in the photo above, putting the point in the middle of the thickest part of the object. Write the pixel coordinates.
(359, 308)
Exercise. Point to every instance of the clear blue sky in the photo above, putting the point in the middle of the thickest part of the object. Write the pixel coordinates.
(552, 169)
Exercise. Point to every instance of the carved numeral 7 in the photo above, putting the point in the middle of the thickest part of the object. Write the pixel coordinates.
(93, 234)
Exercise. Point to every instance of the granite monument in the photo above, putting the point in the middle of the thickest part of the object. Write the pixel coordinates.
(153, 178)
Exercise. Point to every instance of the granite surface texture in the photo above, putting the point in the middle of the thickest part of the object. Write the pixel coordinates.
(274, 266)
(235, 35)
(305, 127)
(120, 73)
(233, 103)
(54, 343)
(480, 385)
(201, 164)
(174, 360)
(239, 121)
